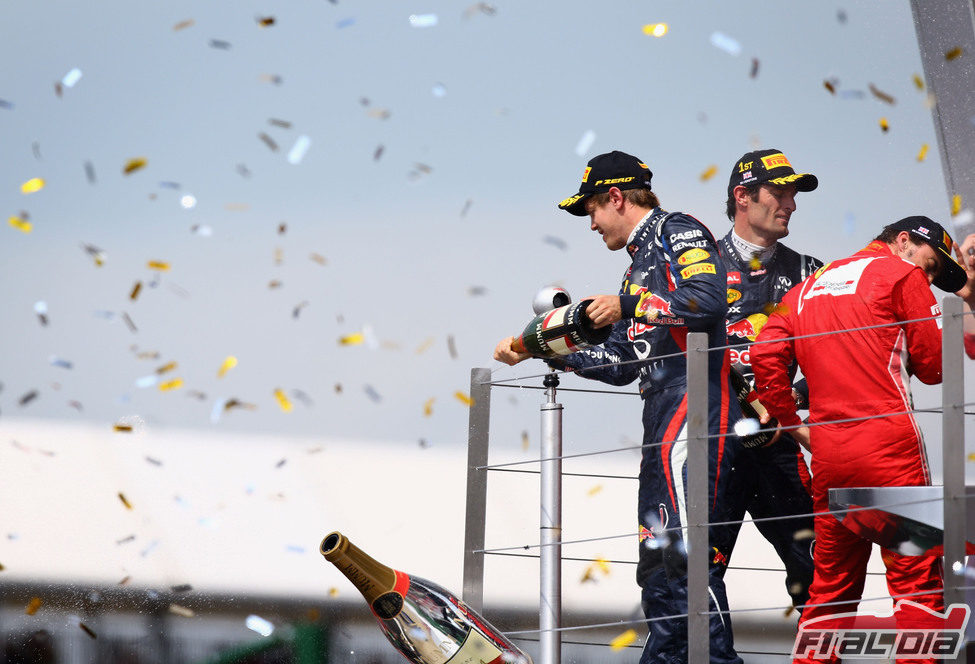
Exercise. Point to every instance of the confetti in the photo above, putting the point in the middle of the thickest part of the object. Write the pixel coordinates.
(594, 490)
(439, 90)
(830, 86)
(188, 201)
(219, 43)
(379, 113)
(259, 625)
(135, 290)
(623, 640)
(481, 7)
(36, 147)
(125, 540)
(476, 291)
(423, 20)
(725, 43)
(134, 164)
(154, 462)
(467, 207)
(71, 78)
(298, 307)
(754, 263)
(318, 258)
(171, 385)
(284, 124)
(333, 592)
(56, 361)
(971, 457)
(162, 266)
(428, 407)
(373, 394)
(923, 152)
(21, 224)
(283, 400)
(585, 142)
(32, 185)
(147, 381)
(655, 29)
(955, 204)
(918, 82)
(298, 150)
(451, 347)
(463, 398)
(884, 125)
(378, 152)
(953, 54)
(302, 397)
(525, 440)
(881, 95)
(6, 104)
(129, 323)
(122, 428)
(181, 611)
(33, 605)
(709, 173)
(125, 501)
(841, 16)
(27, 398)
(265, 21)
(424, 345)
(88, 630)
(354, 339)
(182, 25)
(166, 368)
(280, 463)
(754, 71)
(229, 363)
(268, 141)
(556, 242)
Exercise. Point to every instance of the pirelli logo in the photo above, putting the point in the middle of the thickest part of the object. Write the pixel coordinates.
(700, 268)
(776, 160)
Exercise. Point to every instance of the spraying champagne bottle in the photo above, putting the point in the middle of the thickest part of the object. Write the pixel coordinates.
(561, 331)
(423, 621)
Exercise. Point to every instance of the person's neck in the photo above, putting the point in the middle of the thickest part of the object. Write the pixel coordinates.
(752, 248)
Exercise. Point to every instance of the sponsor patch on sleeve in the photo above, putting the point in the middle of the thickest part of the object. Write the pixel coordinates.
(693, 256)
(936, 311)
(700, 268)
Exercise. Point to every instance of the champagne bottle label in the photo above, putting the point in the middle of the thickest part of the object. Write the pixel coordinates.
(475, 650)
(388, 605)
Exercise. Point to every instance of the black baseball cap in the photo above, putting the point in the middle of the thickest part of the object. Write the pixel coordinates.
(603, 172)
(952, 277)
(771, 166)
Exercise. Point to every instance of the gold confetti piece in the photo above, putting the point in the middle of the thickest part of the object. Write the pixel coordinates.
(318, 258)
(623, 640)
(125, 501)
(170, 385)
(955, 204)
(265, 21)
(33, 606)
(923, 152)
(283, 401)
(182, 25)
(918, 82)
(352, 339)
(268, 141)
(122, 428)
(953, 54)
(169, 366)
(2, 567)
(602, 565)
(655, 29)
(594, 490)
(709, 173)
(829, 86)
(804, 534)
(525, 440)
(424, 345)
(378, 113)
(754, 263)
(229, 363)
(884, 125)
(125, 580)
(20, 224)
(881, 95)
(132, 165)
(333, 592)
(162, 266)
(32, 185)
(135, 290)
(428, 407)
(463, 398)
(181, 611)
(971, 457)
(274, 283)
(87, 630)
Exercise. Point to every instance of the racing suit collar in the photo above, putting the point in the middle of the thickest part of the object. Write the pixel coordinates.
(631, 246)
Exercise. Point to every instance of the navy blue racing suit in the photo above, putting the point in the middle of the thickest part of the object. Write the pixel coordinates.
(775, 480)
(675, 284)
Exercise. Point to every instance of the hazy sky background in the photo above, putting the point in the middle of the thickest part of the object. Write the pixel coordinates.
(437, 156)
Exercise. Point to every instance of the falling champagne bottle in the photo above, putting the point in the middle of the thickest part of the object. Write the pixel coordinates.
(422, 620)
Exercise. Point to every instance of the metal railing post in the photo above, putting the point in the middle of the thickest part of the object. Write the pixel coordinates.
(953, 442)
(477, 457)
(696, 519)
(550, 525)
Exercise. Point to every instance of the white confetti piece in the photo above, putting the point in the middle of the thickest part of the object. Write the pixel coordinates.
(71, 78)
(298, 150)
(725, 43)
(582, 147)
(259, 625)
(423, 20)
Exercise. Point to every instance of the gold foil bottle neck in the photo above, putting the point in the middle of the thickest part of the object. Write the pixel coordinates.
(371, 577)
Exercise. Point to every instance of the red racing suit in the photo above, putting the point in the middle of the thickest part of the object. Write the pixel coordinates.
(856, 374)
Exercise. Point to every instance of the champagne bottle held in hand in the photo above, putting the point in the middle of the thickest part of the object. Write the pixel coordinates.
(422, 620)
